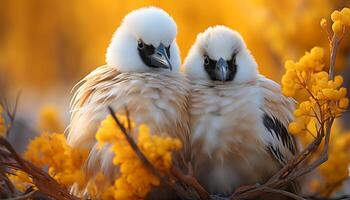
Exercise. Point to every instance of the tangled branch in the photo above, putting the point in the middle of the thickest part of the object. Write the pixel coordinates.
(11, 161)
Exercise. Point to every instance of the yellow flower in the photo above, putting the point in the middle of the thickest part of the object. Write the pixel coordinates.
(49, 120)
(336, 15)
(305, 107)
(300, 74)
(341, 20)
(135, 181)
(63, 162)
(330, 93)
(294, 128)
(336, 168)
(323, 23)
(346, 16)
(337, 27)
(343, 103)
(317, 53)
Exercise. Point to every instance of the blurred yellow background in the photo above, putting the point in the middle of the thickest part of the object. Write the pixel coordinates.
(47, 46)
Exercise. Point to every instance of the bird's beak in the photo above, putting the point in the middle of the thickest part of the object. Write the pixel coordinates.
(160, 58)
(221, 70)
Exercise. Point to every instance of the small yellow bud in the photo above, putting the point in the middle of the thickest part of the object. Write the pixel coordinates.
(323, 23)
(342, 92)
(337, 27)
(346, 16)
(346, 20)
(289, 92)
(345, 11)
(289, 65)
(338, 81)
(297, 113)
(336, 16)
(322, 75)
(317, 53)
(330, 94)
(344, 103)
(305, 107)
(294, 128)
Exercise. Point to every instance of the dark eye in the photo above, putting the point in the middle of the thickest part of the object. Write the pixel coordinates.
(140, 44)
(206, 60)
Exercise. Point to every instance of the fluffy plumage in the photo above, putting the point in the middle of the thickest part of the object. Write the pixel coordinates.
(237, 126)
(152, 94)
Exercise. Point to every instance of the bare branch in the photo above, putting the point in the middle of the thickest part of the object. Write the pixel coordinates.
(43, 181)
(135, 148)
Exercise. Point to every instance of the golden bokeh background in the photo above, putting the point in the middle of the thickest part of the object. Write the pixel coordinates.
(47, 46)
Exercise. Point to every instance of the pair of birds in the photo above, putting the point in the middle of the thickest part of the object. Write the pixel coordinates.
(231, 120)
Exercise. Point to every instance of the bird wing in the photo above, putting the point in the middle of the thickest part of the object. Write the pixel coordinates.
(278, 113)
(89, 91)
(88, 109)
(157, 99)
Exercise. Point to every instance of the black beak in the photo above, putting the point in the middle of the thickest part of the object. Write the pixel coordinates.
(160, 58)
(221, 70)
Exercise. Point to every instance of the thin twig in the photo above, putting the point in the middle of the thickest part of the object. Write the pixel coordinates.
(135, 148)
(190, 180)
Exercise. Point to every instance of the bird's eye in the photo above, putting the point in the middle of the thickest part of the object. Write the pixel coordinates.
(206, 60)
(140, 44)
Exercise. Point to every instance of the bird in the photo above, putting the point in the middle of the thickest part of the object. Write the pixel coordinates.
(142, 76)
(238, 117)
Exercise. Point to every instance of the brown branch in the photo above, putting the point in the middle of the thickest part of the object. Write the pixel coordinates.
(11, 160)
(11, 113)
(189, 179)
(43, 181)
(284, 193)
(135, 148)
(334, 47)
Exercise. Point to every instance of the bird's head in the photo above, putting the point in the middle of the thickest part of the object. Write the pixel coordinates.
(220, 54)
(145, 40)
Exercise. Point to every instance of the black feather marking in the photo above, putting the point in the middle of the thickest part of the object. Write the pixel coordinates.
(277, 154)
(278, 130)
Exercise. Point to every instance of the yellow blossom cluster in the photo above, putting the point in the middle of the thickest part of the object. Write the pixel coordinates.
(2, 123)
(64, 163)
(49, 120)
(341, 21)
(298, 74)
(326, 97)
(135, 180)
(335, 170)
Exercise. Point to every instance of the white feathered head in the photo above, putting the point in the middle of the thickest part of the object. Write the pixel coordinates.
(220, 54)
(145, 40)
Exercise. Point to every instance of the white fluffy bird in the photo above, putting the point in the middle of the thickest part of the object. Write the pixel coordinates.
(238, 118)
(142, 76)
